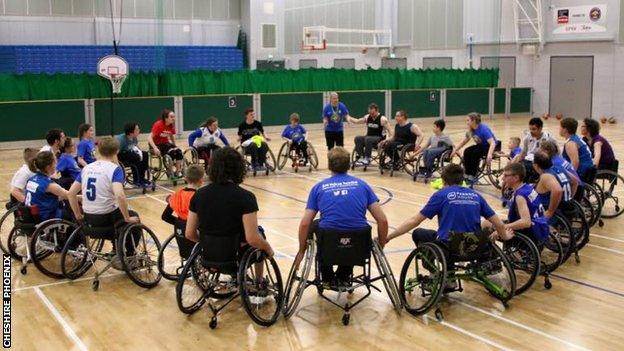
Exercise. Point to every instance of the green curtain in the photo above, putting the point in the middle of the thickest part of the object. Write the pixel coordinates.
(142, 84)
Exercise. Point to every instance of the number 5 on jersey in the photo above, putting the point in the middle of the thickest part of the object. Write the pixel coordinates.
(90, 189)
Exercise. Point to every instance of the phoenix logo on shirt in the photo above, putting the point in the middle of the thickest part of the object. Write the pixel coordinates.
(345, 241)
(451, 196)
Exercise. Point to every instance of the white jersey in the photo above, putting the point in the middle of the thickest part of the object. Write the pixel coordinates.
(207, 138)
(97, 180)
(46, 148)
(20, 178)
(531, 144)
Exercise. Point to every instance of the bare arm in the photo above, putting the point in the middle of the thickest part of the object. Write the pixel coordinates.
(81, 161)
(500, 227)
(574, 182)
(304, 228)
(490, 153)
(120, 196)
(250, 222)
(150, 141)
(459, 146)
(386, 125)
(382, 222)
(57, 190)
(356, 120)
(191, 227)
(597, 152)
(549, 183)
(409, 224)
(18, 194)
(572, 151)
(72, 196)
(419, 135)
(524, 214)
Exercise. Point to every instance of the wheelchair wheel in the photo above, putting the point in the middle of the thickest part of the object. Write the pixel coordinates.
(497, 275)
(78, 254)
(579, 225)
(191, 157)
(138, 249)
(551, 253)
(262, 296)
(560, 227)
(47, 243)
(298, 280)
(168, 164)
(354, 157)
(270, 162)
(166, 266)
(495, 170)
(283, 155)
(129, 174)
(155, 166)
(17, 244)
(388, 277)
(190, 293)
(312, 157)
(408, 159)
(612, 185)
(422, 279)
(446, 159)
(525, 259)
(595, 200)
(588, 211)
(6, 225)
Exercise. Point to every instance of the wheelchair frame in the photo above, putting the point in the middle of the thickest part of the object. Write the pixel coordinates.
(406, 163)
(129, 177)
(269, 166)
(287, 152)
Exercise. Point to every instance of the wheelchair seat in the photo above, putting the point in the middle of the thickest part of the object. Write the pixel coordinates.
(94, 232)
(344, 247)
(220, 253)
(466, 246)
(27, 217)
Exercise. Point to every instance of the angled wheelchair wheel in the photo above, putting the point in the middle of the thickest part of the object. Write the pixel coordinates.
(47, 243)
(594, 200)
(588, 211)
(497, 274)
(260, 287)
(17, 244)
(298, 280)
(388, 277)
(422, 278)
(283, 155)
(579, 224)
(525, 260)
(447, 158)
(560, 227)
(155, 164)
(312, 157)
(551, 253)
(495, 170)
(79, 254)
(167, 267)
(190, 292)
(138, 249)
(191, 157)
(612, 185)
(270, 162)
(354, 157)
(408, 159)
(6, 225)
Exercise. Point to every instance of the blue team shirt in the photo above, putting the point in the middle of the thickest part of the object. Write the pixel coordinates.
(86, 150)
(458, 209)
(563, 180)
(558, 160)
(36, 195)
(527, 191)
(296, 133)
(343, 201)
(515, 152)
(335, 117)
(481, 135)
(584, 154)
(68, 166)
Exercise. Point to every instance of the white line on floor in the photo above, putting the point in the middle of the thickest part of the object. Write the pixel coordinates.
(606, 249)
(468, 333)
(607, 238)
(57, 315)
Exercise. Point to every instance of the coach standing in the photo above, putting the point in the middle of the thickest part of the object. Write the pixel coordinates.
(334, 115)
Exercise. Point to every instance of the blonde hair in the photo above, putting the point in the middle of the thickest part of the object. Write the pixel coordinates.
(108, 146)
(194, 173)
(294, 117)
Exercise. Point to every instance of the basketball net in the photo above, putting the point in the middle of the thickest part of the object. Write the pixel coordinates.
(117, 81)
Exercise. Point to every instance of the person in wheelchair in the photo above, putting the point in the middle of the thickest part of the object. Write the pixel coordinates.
(435, 147)
(224, 209)
(104, 202)
(556, 187)
(204, 139)
(179, 203)
(531, 142)
(130, 154)
(249, 128)
(342, 201)
(602, 152)
(576, 151)
(485, 145)
(43, 193)
(377, 130)
(405, 132)
(55, 139)
(296, 135)
(162, 141)
(20, 178)
(67, 165)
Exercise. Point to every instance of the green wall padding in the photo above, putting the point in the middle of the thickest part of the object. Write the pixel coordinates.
(357, 102)
(460, 102)
(144, 111)
(198, 108)
(499, 100)
(520, 100)
(31, 121)
(276, 108)
(142, 84)
(417, 103)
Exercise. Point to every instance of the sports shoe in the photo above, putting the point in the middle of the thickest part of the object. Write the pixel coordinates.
(450, 286)
(366, 161)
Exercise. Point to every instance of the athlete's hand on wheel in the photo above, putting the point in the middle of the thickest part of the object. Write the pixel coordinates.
(488, 160)
(133, 219)
(270, 252)
(156, 151)
(298, 258)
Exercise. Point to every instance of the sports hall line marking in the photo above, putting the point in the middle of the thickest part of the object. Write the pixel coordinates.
(57, 315)
(468, 333)
(588, 285)
(607, 238)
(520, 325)
(64, 281)
(606, 249)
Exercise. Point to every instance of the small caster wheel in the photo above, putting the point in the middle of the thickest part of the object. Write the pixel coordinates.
(24, 270)
(346, 318)
(213, 323)
(438, 314)
(352, 166)
(254, 173)
(600, 223)
(144, 191)
(95, 285)
(175, 183)
(505, 304)
(365, 167)
(547, 285)
(153, 187)
(577, 258)
(296, 169)
(617, 208)
(319, 290)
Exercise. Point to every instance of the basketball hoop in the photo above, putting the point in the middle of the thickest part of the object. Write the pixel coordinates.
(115, 69)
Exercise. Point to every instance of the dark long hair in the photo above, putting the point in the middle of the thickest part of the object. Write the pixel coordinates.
(227, 165)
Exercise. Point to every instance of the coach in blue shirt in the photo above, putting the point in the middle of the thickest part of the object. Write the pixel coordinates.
(334, 115)
(342, 200)
(459, 209)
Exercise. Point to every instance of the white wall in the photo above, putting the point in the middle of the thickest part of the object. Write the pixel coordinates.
(253, 14)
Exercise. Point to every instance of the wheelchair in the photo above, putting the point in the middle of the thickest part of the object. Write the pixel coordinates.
(374, 160)
(436, 268)
(215, 258)
(609, 184)
(406, 161)
(269, 164)
(193, 157)
(129, 171)
(492, 173)
(439, 163)
(591, 202)
(136, 250)
(351, 248)
(160, 166)
(7, 221)
(288, 152)
(524, 256)
(169, 270)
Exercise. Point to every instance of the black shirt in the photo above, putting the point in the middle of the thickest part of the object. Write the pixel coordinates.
(246, 131)
(373, 125)
(404, 135)
(220, 209)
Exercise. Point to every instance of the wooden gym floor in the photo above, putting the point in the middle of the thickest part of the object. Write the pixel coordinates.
(582, 311)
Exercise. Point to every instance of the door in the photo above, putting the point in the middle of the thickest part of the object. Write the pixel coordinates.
(506, 69)
(437, 62)
(571, 86)
(387, 62)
